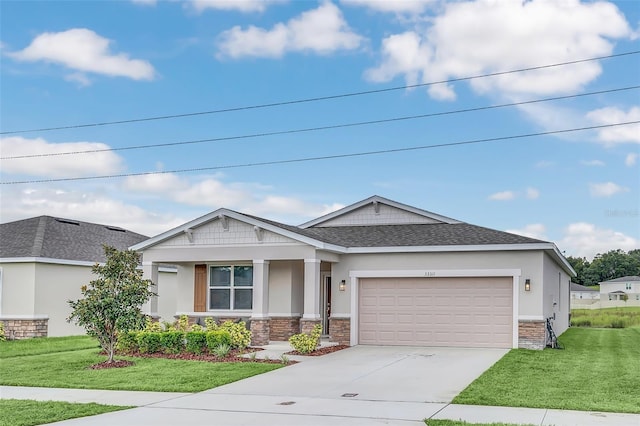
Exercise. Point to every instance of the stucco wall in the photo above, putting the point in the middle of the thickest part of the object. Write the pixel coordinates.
(557, 298)
(184, 287)
(18, 289)
(167, 295)
(530, 263)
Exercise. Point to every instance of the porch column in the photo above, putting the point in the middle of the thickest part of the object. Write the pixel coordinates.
(150, 272)
(260, 311)
(311, 315)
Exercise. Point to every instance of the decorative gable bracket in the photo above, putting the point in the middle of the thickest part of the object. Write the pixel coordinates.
(259, 233)
(224, 222)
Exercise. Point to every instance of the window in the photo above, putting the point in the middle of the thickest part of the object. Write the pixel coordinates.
(231, 287)
(627, 286)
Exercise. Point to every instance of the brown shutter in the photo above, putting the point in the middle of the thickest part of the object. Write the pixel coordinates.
(200, 289)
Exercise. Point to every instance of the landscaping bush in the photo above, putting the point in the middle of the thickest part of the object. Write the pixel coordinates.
(217, 338)
(196, 341)
(149, 342)
(172, 342)
(581, 323)
(2, 336)
(618, 323)
(240, 335)
(222, 350)
(128, 341)
(306, 343)
(210, 324)
(152, 326)
(183, 323)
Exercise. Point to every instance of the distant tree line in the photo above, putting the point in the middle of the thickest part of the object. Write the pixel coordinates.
(607, 266)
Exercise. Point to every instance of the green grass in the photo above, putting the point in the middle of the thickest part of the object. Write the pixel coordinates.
(65, 366)
(45, 345)
(433, 422)
(20, 412)
(606, 318)
(599, 370)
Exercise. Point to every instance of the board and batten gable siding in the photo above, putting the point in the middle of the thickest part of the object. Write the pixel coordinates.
(200, 289)
(213, 233)
(386, 215)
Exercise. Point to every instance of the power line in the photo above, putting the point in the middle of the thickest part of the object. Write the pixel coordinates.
(314, 129)
(316, 99)
(324, 157)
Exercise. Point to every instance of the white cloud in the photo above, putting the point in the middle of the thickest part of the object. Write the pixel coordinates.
(80, 78)
(83, 205)
(503, 196)
(620, 134)
(534, 230)
(606, 189)
(532, 193)
(631, 159)
(83, 50)
(244, 6)
(213, 193)
(56, 166)
(485, 36)
(592, 163)
(393, 6)
(586, 240)
(322, 31)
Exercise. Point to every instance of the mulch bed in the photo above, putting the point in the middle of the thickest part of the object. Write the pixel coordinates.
(116, 363)
(321, 351)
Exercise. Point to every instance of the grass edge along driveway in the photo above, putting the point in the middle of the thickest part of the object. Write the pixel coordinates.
(66, 367)
(24, 412)
(599, 370)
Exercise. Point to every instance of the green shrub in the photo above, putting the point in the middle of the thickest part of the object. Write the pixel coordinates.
(152, 326)
(2, 336)
(149, 342)
(196, 327)
(128, 341)
(240, 335)
(183, 323)
(196, 341)
(583, 322)
(618, 323)
(172, 342)
(217, 338)
(306, 343)
(222, 350)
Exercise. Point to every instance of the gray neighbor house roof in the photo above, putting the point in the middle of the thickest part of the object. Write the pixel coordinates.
(66, 239)
(582, 288)
(626, 279)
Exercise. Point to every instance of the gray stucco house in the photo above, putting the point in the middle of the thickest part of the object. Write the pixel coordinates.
(43, 263)
(375, 272)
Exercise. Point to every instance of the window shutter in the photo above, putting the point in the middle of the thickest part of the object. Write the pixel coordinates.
(200, 289)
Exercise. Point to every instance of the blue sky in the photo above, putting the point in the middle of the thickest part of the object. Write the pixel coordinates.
(70, 63)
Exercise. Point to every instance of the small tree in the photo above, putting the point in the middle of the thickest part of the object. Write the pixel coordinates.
(111, 304)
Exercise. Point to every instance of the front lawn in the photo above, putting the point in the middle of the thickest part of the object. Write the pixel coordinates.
(45, 345)
(599, 370)
(22, 412)
(67, 367)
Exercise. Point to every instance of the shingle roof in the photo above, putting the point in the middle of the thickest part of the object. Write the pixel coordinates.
(578, 287)
(623, 279)
(435, 234)
(67, 239)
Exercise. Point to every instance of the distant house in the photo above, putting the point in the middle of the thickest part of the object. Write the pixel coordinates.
(583, 295)
(43, 263)
(624, 289)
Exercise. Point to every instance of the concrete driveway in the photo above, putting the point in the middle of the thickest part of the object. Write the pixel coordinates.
(359, 385)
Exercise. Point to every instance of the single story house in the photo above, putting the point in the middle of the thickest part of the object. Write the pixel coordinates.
(621, 289)
(376, 272)
(583, 295)
(43, 263)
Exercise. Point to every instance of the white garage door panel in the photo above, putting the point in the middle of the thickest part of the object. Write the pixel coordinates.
(467, 312)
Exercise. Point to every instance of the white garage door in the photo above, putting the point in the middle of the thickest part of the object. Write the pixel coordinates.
(463, 312)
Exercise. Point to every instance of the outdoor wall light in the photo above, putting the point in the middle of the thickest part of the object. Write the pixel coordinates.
(527, 285)
(343, 285)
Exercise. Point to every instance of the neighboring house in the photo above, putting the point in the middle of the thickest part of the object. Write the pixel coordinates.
(620, 289)
(43, 263)
(582, 295)
(376, 272)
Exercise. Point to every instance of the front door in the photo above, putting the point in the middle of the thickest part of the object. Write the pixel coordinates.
(326, 303)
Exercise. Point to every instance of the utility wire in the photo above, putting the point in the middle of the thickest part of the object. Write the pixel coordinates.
(314, 129)
(316, 99)
(324, 157)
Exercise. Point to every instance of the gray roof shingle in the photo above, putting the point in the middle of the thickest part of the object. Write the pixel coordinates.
(623, 279)
(58, 238)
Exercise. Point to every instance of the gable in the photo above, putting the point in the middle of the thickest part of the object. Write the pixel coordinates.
(226, 232)
(377, 214)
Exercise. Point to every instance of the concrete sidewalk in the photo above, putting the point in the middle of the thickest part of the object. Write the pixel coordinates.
(159, 409)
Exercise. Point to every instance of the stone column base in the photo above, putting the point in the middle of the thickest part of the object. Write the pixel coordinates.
(259, 331)
(25, 328)
(306, 325)
(532, 334)
(340, 330)
(281, 328)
